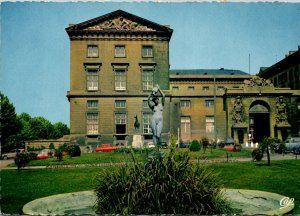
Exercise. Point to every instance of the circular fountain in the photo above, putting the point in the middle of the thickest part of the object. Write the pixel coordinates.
(251, 202)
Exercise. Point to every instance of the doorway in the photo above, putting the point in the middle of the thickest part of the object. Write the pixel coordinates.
(259, 121)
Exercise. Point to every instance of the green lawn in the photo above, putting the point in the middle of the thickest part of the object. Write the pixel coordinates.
(17, 189)
(115, 157)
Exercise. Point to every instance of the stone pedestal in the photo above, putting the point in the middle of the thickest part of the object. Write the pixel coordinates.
(242, 129)
(282, 132)
(137, 141)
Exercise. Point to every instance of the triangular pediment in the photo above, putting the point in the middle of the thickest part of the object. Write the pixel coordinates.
(119, 24)
(120, 21)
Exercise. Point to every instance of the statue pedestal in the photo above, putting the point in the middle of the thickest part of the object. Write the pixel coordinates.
(137, 141)
(282, 131)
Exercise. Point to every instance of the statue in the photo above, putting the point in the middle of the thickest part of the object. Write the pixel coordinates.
(237, 115)
(281, 115)
(136, 123)
(157, 117)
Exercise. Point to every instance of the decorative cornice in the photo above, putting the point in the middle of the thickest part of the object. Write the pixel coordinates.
(118, 23)
(130, 37)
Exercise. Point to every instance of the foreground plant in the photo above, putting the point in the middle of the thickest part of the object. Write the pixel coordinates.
(163, 185)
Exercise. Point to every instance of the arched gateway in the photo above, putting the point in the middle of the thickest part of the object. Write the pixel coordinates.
(259, 120)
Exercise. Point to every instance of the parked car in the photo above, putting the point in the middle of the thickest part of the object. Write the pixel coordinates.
(296, 150)
(11, 154)
(45, 153)
(106, 148)
(232, 148)
(291, 143)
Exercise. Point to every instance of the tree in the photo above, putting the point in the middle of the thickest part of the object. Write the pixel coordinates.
(40, 128)
(205, 143)
(266, 145)
(9, 124)
(60, 129)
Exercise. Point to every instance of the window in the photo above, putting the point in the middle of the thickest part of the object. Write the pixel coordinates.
(185, 103)
(120, 79)
(220, 88)
(185, 127)
(205, 88)
(120, 104)
(92, 104)
(147, 51)
(92, 51)
(147, 79)
(235, 86)
(145, 104)
(146, 123)
(210, 124)
(92, 79)
(209, 103)
(120, 121)
(120, 51)
(175, 88)
(191, 88)
(92, 123)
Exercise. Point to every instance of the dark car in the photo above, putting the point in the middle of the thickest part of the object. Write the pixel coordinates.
(296, 150)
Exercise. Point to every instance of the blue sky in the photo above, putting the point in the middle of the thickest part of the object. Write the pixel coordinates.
(34, 67)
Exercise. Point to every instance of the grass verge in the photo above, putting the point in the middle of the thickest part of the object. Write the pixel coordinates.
(115, 157)
(17, 189)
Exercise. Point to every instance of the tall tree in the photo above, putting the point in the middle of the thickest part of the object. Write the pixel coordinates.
(9, 124)
(40, 128)
(60, 129)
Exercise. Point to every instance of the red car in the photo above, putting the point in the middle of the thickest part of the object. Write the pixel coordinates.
(106, 148)
(45, 153)
(232, 148)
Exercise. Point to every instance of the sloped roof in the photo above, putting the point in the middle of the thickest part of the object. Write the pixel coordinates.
(119, 22)
(221, 72)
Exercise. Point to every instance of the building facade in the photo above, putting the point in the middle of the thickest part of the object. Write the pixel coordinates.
(285, 73)
(117, 59)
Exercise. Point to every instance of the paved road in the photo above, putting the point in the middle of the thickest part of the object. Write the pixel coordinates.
(5, 163)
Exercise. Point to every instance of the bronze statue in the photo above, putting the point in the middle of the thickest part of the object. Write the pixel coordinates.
(157, 117)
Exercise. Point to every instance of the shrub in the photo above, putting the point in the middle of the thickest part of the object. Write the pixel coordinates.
(35, 149)
(58, 154)
(163, 185)
(63, 147)
(51, 146)
(221, 144)
(73, 150)
(205, 143)
(195, 146)
(257, 154)
(22, 159)
(32, 155)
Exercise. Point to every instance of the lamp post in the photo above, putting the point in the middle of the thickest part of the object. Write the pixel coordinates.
(251, 130)
(215, 111)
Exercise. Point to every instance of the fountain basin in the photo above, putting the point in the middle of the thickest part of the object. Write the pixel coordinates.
(251, 202)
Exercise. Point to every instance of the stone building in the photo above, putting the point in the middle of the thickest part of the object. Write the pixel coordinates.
(286, 74)
(116, 60)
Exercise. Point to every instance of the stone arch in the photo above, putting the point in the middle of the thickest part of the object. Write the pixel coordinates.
(259, 120)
